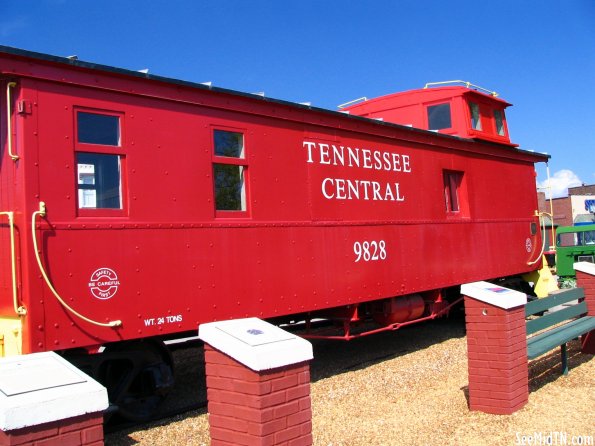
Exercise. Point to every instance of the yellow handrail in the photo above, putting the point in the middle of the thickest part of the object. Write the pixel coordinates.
(14, 156)
(540, 215)
(20, 310)
(42, 212)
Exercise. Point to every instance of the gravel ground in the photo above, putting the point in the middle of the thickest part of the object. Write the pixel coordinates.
(406, 387)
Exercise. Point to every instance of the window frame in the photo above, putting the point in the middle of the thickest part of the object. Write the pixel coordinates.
(579, 239)
(95, 112)
(241, 161)
(101, 149)
(475, 106)
(454, 183)
(502, 122)
(427, 107)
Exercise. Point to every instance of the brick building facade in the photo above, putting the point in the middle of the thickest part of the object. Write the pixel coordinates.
(566, 209)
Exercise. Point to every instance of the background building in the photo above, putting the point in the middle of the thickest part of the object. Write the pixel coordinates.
(578, 206)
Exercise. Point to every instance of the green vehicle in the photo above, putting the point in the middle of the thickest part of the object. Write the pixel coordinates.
(574, 244)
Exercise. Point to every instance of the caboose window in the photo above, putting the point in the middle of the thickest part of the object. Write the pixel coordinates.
(439, 117)
(98, 178)
(499, 118)
(229, 187)
(229, 172)
(230, 144)
(94, 128)
(475, 116)
(452, 186)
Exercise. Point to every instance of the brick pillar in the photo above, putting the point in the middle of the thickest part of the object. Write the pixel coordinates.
(247, 407)
(497, 356)
(258, 384)
(45, 400)
(84, 430)
(585, 278)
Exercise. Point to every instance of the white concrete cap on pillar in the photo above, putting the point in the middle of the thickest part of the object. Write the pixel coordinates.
(43, 387)
(494, 295)
(585, 267)
(256, 343)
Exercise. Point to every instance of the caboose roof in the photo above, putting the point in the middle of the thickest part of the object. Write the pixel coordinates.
(419, 96)
(74, 63)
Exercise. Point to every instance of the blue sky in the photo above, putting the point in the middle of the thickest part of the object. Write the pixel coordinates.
(537, 54)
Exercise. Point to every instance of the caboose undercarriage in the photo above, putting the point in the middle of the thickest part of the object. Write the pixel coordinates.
(354, 321)
(140, 374)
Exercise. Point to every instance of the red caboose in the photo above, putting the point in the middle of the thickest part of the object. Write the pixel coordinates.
(138, 207)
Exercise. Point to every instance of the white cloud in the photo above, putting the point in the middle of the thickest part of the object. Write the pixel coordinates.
(559, 183)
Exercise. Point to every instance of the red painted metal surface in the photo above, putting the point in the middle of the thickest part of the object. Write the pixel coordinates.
(340, 210)
(411, 108)
(400, 309)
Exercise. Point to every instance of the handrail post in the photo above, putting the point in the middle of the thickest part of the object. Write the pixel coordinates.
(20, 310)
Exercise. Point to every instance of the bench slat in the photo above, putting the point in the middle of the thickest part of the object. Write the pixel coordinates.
(555, 317)
(557, 298)
(543, 342)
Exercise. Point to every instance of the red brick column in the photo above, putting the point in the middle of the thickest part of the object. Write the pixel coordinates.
(247, 407)
(82, 430)
(497, 354)
(585, 278)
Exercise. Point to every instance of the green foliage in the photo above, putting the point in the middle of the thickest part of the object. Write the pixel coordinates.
(567, 282)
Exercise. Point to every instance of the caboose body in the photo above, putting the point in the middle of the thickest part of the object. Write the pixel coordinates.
(155, 205)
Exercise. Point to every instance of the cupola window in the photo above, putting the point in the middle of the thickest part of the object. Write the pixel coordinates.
(499, 118)
(475, 116)
(439, 117)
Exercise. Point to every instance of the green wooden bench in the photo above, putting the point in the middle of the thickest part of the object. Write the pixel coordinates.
(572, 319)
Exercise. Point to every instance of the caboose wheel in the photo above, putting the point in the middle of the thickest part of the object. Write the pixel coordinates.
(138, 376)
